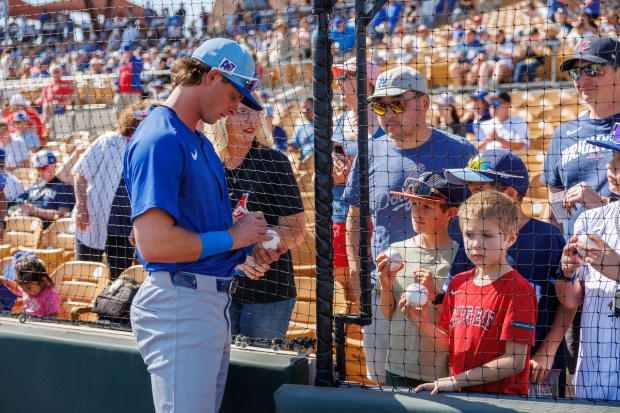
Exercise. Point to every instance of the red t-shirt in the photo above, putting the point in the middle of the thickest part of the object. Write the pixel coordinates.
(125, 79)
(481, 319)
(57, 91)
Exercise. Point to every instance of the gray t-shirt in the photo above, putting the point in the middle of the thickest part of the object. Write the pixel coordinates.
(411, 355)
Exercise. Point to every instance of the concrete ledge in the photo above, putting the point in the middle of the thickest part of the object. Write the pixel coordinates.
(306, 399)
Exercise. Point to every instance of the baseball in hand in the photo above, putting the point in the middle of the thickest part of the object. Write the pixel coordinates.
(583, 239)
(396, 260)
(272, 244)
(416, 295)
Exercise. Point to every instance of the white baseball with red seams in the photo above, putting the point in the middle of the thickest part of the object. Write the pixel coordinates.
(416, 295)
(396, 260)
(272, 244)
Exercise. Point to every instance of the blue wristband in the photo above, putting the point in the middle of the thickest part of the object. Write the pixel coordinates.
(215, 242)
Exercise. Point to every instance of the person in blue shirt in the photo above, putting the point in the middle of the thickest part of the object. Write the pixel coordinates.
(303, 134)
(408, 148)
(390, 16)
(575, 170)
(184, 230)
(280, 137)
(536, 255)
(49, 198)
(343, 35)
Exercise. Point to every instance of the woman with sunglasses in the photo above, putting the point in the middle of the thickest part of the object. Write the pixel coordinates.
(345, 149)
(260, 179)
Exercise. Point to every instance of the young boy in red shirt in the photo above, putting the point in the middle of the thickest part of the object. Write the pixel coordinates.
(487, 323)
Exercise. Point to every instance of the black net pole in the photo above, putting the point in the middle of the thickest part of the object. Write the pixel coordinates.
(364, 12)
(323, 112)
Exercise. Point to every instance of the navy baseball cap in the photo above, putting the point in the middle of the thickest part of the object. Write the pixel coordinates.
(613, 143)
(498, 165)
(234, 63)
(479, 94)
(595, 49)
(432, 187)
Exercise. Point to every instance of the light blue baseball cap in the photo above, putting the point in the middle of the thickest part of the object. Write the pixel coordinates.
(234, 63)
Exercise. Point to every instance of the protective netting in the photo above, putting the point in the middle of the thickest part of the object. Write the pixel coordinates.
(447, 80)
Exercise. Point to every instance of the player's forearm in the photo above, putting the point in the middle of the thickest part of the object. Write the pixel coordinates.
(159, 239)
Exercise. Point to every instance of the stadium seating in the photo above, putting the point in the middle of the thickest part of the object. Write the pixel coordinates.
(78, 283)
(137, 272)
(303, 319)
(23, 231)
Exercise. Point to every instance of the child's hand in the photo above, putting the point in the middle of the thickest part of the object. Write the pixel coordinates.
(3, 280)
(425, 277)
(414, 314)
(540, 365)
(445, 384)
(386, 274)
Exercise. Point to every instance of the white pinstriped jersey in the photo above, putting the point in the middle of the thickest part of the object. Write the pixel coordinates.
(598, 365)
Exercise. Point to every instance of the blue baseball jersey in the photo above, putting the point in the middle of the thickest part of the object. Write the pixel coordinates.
(176, 169)
(571, 160)
(388, 167)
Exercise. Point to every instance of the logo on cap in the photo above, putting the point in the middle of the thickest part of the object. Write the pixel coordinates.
(227, 65)
(585, 45)
(381, 82)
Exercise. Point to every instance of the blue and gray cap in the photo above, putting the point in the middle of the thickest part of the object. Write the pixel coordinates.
(614, 140)
(234, 63)
(493, 165)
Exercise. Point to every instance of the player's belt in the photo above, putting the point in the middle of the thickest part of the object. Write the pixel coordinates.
(200, 282)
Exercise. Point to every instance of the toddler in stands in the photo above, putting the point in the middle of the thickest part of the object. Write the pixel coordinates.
(35, 286)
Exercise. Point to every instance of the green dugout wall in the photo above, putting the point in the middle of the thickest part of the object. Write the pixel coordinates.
(64, 369)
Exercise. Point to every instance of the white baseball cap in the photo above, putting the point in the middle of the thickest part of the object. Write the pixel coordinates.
(18, 100)
(397, 81)
(43, 158)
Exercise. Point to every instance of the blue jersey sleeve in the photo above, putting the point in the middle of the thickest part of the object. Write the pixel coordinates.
(153, 172)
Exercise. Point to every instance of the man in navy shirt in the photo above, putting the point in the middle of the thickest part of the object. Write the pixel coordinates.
(49, 198)
(575, 170)
(408, 148)
(184, 230)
